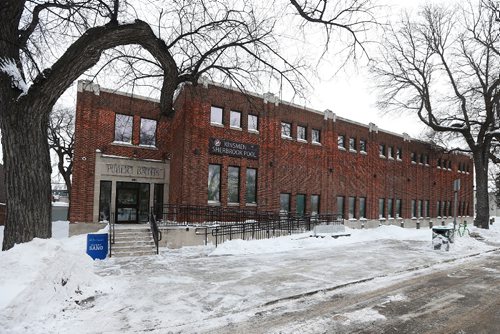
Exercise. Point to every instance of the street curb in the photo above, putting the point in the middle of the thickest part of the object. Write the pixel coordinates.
(337, 287)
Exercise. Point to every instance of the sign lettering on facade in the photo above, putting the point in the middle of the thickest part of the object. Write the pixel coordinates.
(234, 149)
(129, 170)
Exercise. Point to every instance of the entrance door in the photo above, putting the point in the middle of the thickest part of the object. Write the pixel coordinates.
(127, 202)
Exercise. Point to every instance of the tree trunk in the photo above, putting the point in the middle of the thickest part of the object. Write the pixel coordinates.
(27, 173)
(482, 202)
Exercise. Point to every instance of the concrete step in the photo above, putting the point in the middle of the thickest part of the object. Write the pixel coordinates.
(133, 238)
(133, 246)
(133, 253)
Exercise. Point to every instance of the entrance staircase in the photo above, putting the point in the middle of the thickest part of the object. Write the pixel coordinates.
(132, 241)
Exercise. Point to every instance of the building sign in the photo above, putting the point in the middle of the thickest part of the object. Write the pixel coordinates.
(234, 149)
(133, 171)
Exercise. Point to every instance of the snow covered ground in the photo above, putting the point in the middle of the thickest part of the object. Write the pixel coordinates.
(52, 286)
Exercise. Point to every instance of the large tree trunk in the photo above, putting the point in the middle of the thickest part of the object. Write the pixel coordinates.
(482, 202)
(27, 173)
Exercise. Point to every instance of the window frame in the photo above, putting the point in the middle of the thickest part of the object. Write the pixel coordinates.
(299, 137)
(247, 187)
(212, 122)
(318, 132)
(155, 132)
(256, 130)
(231, 113)
(216, 201)
(237, 186)
(283, 126)
(115, 140)
(341, 142)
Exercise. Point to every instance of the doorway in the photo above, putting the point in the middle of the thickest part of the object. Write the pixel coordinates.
(132, 202)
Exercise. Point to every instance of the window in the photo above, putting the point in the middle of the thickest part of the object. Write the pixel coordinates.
(341, 142)
(235, 119)
(158, 200)
(449, 164)
(123, 128)
(381, 150)
(426, 159)
(251, 179)
(214, 183)
(362, 145)
(426, 209)
(233, 184)
(314, 205)
(389, 208)
(316, 136)
(443, 208)
(422, 159)
(438, 208)
(300, 207)
(449, 209)
(439, 163)
(301, 133)
(285, 202)
(399, 153)
(104, 200)
(413, 208)
(216, 115)
(352, 144)
(381, 208)
(414, 157)
(286, 130)
(399, 209)
(340, 205)
(419, 208)
(253, 122)
(352, 207)
(148, 132)
(390, 152)
(144, 202)
(362, 207)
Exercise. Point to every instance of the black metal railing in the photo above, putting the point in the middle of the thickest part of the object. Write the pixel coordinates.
(111, 232)
(155, 231)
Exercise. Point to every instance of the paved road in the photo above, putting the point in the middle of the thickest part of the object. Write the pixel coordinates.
(462, 298)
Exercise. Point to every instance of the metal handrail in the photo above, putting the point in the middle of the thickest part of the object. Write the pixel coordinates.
(157, 236)
(111, 232)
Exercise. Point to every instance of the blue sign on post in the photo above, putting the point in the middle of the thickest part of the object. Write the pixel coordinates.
(97, 246)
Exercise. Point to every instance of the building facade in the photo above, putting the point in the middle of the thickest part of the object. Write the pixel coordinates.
(229, 149)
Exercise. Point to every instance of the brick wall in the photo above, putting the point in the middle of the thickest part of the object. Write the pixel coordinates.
(284, 165)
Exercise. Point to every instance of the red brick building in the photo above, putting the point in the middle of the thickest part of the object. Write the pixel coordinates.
(227, 148)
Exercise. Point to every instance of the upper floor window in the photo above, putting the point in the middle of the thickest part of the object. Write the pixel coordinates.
(362, 145)
(341, 141)
(381, 150)
(413, 157)
(439, 163)
(301, 133)
(235, 119)
(352, 144)
(286, 130)
(123, 128)
(216, 115)
(253, 122)
(148, 132)
(316, 136)
(390, 152)
(399, 153)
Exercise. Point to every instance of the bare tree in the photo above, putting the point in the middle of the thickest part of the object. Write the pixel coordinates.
(61, 141)
(46, 45)
(443, 65)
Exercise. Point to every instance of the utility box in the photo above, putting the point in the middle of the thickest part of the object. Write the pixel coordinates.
(442, 237)
(97, 245)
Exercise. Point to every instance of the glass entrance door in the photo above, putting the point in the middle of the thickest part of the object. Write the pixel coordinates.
(132, 202)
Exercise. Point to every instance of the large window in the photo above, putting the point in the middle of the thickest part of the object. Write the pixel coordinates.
(438, 208)
(216, 115)
(285, 202)
(426, 209)
(352, 208)
(286, 130)
(362, 207)
(316, 136)
(104, 200)
(251, 194)
(123, 128)
(301, 133)
(235, 119)
(340, 205)
(214, 183)
(253, 122)
(314, 204)
(300, 207)
(381, 208)
(390, 208)
(419, 209)
(413, 208)
(233, 184)
(399, 209)
(148, 132)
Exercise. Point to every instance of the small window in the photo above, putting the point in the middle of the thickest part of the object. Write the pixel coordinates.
(123, 128)
(399, 209)
(381, 208)
(426, 209)
(381, 150)
(148, 132)
(426, 159)
(390, 152)
(314, 205)
(438, 209)
(362, 207)
(341, 141)
(399, 153)
(286, 130)
(214, 183)
(449, 165)
(419, 209)
(285, 202)
(253, 122)
(390, 208)
(235, 119)
(422, 159)
(413, 157)
(316, 136)
(362, 145)
(216, 115)
(352, 144)
(301, 133)
(439, 163)
(413, 208)
(352, 208)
